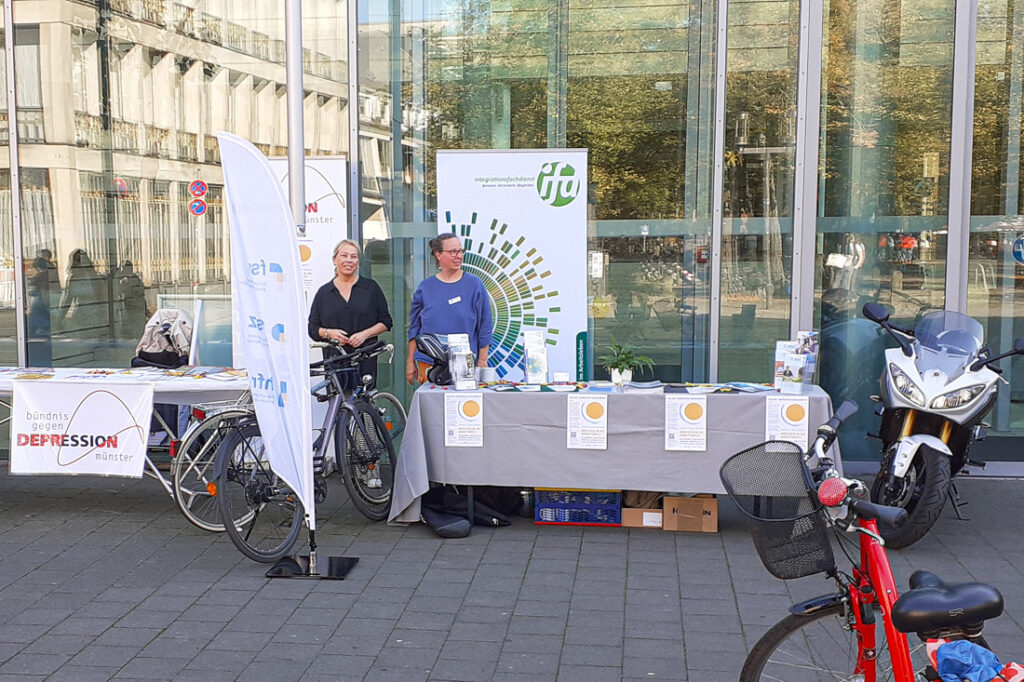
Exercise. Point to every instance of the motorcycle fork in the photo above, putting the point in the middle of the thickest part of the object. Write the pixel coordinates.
(945, 432)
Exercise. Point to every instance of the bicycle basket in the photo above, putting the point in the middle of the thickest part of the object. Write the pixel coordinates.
(773, 488)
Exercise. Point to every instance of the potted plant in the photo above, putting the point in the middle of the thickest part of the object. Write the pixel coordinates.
(623, 360)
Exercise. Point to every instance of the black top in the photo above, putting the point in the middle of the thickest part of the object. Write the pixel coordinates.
(366, 307)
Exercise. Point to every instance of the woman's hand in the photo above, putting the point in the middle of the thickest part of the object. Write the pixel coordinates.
(336, 335)
(357, 339)
(410, 373)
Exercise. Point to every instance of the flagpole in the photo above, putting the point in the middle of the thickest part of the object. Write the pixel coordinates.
(296, 143)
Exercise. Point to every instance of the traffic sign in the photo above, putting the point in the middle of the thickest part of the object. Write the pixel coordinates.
(121, 185)
(197, 188)
(1018, 250)
(197, 207)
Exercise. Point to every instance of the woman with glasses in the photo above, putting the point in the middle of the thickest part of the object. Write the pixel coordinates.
(450, 302)
(349, 309)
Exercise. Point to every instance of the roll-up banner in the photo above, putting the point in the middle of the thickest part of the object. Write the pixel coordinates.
(522, 218)
(268, 300)
(65, 427)
(326, 217)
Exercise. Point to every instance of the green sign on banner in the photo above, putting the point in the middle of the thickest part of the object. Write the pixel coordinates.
(581, 357)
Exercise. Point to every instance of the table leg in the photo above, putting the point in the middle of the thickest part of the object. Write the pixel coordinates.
(469, 504)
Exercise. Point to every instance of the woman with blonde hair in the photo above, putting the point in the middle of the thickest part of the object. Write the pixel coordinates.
(349, 309)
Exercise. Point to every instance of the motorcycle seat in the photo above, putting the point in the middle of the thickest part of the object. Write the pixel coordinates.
(932, 605)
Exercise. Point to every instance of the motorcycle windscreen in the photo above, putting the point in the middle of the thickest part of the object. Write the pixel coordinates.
(947, 341)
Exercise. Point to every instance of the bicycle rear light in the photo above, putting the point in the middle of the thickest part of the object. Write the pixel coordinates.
(832, 492)
(198, 413)
(173, 448)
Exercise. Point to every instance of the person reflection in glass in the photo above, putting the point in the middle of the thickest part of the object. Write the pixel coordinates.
(83, 305)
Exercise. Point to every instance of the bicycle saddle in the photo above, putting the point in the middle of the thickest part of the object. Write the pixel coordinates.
(932, 605)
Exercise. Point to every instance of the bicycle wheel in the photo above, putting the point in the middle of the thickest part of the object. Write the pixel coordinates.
(248, 489)
(192, 469)
(366, 458)
(393, 414)
(819, 648)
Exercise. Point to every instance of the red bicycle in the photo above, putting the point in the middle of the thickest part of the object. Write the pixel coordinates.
(858, 632)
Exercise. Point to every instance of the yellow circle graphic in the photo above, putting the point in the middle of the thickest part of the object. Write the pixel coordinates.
(795, 413)
(305, 253)
(594, 410)
(693, 411)
(470, 409)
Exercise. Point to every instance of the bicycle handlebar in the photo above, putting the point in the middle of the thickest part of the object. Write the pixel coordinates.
(889, 516)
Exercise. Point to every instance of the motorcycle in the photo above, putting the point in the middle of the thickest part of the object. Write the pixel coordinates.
(936, 388)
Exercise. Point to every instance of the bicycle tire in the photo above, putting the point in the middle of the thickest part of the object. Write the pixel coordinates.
(819, 647)
(362, 461)
(393, 413)
(926, 487)
(193, 480)
(248, 488)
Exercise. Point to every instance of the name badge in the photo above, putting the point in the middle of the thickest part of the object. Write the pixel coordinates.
(453, 301)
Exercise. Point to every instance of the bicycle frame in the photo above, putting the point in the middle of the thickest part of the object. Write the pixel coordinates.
(881, 589)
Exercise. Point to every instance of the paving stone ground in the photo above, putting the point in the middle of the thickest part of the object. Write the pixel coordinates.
(102, 578)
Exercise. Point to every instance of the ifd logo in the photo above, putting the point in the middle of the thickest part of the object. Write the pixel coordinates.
(557, 184)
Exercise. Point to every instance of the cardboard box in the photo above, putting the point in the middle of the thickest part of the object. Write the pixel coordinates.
(641, 518)
(698, 513)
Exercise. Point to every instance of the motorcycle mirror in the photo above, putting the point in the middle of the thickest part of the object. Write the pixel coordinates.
(1018, 346)
(876, 312)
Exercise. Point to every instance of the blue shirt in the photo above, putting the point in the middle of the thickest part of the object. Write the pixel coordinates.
(462, 307)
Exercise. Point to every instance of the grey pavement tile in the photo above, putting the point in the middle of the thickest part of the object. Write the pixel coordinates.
(193, 675)
(399, 675)
(509, 662)
(304, 634)
(355, 644)
(484, 614)
(483, 632)
(537, 625)
(253, 623)
(48, 644)
(79, 673)
(273, 671)
(222, 660)
(289, 651)
(239, 641)
(433, 604)
(588, 673)
(526, 607)
(424, 620)
(33, 664)
(417, 639)
(394, 658)
(147, 619)
(340, 665)
(523, 677)
(100, 655)
(516, 643)
(462, 671)
(650, 667)
(104, 609)
(589, 655)
(471, 651)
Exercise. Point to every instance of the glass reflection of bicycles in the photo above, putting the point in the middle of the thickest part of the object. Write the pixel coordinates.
(859, 631)
(229, 485)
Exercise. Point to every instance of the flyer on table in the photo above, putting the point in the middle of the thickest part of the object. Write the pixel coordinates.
(686, 422)
(587, 422)
(464, 420)
(74, 428)
(785, 418)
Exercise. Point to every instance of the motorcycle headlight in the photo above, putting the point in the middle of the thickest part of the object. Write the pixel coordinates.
(906, 386)
(957, 398)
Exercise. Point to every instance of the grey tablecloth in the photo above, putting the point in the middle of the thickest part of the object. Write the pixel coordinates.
(525, 445)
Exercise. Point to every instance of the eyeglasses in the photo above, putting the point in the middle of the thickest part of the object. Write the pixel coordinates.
(453, 252)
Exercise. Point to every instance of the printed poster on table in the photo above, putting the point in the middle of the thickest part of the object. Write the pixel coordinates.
(686, 422)
(463, 420)
(76, 428)
(522, 218)
(785, 418)
(587, 422)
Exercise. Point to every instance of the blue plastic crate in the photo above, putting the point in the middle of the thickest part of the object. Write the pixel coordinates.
(577, 507)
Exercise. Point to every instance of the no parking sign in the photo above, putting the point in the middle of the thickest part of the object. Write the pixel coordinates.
(197, 207)
(197, 188)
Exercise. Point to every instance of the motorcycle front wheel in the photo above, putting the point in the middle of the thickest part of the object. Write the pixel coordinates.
(922, 492)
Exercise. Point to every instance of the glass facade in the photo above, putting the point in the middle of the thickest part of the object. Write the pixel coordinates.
(118, 101)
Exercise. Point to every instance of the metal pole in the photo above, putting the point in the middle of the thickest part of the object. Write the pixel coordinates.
(12, 136)
(354, 198)
(960, 150)
(721, 44)
(296, 143)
